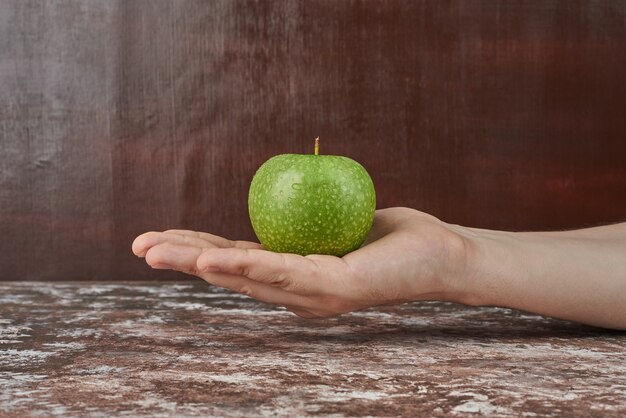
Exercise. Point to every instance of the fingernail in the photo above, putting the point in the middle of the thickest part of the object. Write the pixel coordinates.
(161, 266)
(211, 269)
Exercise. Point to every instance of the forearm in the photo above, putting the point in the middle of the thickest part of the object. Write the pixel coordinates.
(575, 275)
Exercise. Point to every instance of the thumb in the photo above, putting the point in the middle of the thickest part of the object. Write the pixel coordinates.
(291, 272)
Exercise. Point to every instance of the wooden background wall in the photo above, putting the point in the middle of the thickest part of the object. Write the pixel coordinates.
(122, 116)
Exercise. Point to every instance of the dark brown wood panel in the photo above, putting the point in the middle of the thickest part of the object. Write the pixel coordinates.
(118, 117)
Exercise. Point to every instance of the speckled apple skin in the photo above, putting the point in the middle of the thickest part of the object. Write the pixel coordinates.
(311, 204)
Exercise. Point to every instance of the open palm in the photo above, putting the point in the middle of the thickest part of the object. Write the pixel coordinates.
(408, 255)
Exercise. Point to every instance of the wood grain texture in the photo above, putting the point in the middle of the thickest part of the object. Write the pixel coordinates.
(118, 117)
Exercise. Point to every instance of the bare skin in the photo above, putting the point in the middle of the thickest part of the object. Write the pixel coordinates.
(409, 256)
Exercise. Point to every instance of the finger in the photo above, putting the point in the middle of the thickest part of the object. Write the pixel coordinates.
(251, 288)
(291, 272)
(144, 242)
(304, 314)
(301, 313)
(215, 239)
(175, 257)
(183, 258)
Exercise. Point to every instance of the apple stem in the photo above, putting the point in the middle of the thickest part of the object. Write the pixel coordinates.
(317, 146)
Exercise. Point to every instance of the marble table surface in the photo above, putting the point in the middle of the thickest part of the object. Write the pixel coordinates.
(187, 349)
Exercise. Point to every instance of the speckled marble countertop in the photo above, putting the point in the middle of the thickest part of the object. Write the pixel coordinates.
(187, 349)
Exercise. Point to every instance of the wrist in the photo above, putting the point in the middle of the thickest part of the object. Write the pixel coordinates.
(485, 256)
(573, 275)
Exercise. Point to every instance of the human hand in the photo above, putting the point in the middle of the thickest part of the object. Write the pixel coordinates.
(408, 255)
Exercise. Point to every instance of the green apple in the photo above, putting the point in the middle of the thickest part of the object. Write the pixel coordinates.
(311, 204)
